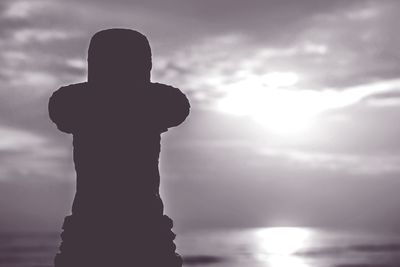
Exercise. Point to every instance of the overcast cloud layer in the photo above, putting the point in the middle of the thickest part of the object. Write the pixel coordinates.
(347, 50)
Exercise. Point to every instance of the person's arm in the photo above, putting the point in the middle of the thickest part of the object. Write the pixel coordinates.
(62, 108)
(172, 104)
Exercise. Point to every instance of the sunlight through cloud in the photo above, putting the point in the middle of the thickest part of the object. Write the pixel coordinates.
(274, 103)
(280, 79)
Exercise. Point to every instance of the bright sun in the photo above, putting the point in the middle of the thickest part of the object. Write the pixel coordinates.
(271, 101)
(275, 101)
(280, 79)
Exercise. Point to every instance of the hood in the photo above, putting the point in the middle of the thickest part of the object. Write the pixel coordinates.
(119, 56)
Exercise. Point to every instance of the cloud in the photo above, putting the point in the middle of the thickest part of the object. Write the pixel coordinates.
(235, 65)
(391, 98)
(40, 35)
(28, 154)
(359, 164)
(330, 50)
(24, 9)
(345, 54)
(203, 48)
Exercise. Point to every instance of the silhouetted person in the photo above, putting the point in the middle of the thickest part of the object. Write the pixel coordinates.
(116, 119)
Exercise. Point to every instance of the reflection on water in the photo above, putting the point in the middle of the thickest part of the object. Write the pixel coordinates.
(292, 247)
(285, 261)
(265, 247)
(278, 245)
(282, 240)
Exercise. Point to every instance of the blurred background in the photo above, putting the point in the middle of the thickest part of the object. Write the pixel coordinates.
(290, 157)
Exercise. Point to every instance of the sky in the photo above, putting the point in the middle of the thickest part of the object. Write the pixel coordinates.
(294, 118)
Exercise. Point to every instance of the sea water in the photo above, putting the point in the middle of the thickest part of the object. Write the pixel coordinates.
(255, 247)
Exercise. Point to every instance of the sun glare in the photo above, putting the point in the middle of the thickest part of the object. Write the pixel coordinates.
(268, 100)
(275, 101)
(277, 246)
(280, 79)
(283, 240)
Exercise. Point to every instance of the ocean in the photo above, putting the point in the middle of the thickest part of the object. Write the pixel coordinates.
(255, 247)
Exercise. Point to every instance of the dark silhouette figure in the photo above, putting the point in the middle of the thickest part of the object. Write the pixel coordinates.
(116, 119)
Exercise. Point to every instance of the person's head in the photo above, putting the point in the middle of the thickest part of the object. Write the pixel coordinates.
(119, 56)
